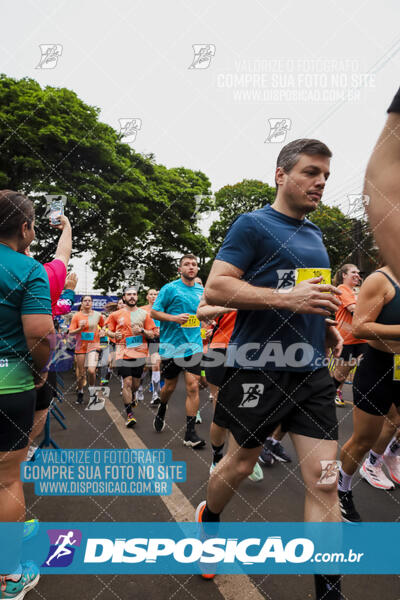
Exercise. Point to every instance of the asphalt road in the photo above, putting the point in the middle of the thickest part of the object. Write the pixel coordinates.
(279, 497)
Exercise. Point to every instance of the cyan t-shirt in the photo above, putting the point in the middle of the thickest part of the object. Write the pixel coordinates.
(177, 341)
(268, 246)
(24, 289)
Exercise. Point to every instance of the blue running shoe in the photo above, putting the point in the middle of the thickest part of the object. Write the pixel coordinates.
(16, 590)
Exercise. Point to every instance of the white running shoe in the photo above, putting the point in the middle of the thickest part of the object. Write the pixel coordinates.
(257, 474)
(375, 476)
(139, 395)
(392, 464)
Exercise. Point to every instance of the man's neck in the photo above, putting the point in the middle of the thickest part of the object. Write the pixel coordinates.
(188, 282)
(131, 308)
(281, 206)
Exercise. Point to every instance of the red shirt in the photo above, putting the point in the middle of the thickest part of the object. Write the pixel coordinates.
(56, 273)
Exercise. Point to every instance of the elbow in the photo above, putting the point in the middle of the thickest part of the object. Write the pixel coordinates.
(211, 296)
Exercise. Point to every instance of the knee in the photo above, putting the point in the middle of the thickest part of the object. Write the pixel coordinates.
(192, 388)
(244, 467)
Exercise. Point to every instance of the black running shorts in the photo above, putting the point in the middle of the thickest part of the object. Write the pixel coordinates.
(374, 390)
(16, 419)
(353, 351)
(171, 367)
(251, 404)
(215, 373)
(132, 367)
(45, 394)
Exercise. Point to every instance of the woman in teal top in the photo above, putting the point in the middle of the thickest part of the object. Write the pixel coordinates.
(25, 325)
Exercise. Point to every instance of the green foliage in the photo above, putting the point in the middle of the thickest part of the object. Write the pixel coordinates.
(122, 206)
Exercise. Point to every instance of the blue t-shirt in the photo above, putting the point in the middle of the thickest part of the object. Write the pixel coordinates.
(24, 289)
(268, 246)
(177, 341)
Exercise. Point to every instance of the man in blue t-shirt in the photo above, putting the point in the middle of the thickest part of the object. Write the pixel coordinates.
(181, 346)
(276, 357)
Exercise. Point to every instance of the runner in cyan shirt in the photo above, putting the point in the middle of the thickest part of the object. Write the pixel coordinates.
(279, 341)
(181, 346)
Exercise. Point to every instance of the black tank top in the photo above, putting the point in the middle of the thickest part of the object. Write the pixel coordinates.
(390, 313)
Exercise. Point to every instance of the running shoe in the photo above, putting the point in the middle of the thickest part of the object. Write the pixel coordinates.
(140, 395)
(375, 476)
(31, 528)
(155, 401)
(198, 417)
(392, 464)
(16, 590)
(159, 419)
(347, 508)
(212, 467)
(277, 450)
(192, 440)
(257, 474)
(339, 399)
(199, 519)
(130, 421)
(266, 457)
(31, 452)
(79, 398)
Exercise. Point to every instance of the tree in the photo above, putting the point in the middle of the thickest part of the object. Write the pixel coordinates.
(123, 207)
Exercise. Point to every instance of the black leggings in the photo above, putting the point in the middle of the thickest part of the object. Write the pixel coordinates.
(16, 419)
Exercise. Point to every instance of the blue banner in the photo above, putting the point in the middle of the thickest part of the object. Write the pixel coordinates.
(99, 302)
(230, 548)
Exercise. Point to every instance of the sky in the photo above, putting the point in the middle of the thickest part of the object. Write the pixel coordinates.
(219, 86)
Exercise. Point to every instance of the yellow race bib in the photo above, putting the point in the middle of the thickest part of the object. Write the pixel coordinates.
(304, 274)
(396, 367)
(192, 321)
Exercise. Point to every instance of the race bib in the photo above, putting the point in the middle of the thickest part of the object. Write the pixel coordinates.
(203, 333)
(134, 341)
(87, 336)
(192, 321)
(304, 274)
(104, 339)
(396, 367)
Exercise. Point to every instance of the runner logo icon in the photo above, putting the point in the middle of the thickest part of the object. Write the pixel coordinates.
(286, 280)
(63, 543)
(252, 393)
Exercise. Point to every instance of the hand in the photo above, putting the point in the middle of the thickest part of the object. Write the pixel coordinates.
(40, 379)
(310, 297)
(208, 333)
(136, 330)
(118, 336)
(333, 341)
(182, 318)
(64, 222)
(71, 281)
(102, 332)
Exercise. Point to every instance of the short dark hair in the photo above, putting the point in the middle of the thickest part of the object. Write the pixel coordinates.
(290, 154)
(192, 256)
(15, 209)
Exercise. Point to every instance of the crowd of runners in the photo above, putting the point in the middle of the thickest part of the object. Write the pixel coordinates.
(271, 335)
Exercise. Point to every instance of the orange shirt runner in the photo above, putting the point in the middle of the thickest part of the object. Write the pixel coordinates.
(223, 333)
(130, 346)
(88, 338)
(344, 317)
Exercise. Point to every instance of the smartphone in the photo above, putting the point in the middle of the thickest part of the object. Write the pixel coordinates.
(56, 210)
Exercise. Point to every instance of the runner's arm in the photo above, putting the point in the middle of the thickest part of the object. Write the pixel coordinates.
(38, 330)
(382, 185)
(207, 313)
(225, 287)
(64, 245)
(158, 315)
(370, 301)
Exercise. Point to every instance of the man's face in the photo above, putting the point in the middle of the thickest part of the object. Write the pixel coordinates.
(151, 296)
(303, 186)
(87, 302)
(189, 269)
(130, 298)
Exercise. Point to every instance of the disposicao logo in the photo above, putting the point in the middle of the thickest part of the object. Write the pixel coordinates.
(63, 543)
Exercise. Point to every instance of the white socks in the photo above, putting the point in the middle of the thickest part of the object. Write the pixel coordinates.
(344, 484)
(393, 448)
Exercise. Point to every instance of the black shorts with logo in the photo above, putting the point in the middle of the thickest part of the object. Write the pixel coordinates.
(374, 389)
(171, 367)
(251, 404)
(130, 367)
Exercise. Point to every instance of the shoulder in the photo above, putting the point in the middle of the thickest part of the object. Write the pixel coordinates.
(312, 226)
